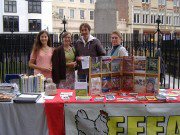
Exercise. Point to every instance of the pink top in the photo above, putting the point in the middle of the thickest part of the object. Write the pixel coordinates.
(43, 59)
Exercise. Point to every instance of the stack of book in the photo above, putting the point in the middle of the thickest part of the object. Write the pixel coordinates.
(33, 83)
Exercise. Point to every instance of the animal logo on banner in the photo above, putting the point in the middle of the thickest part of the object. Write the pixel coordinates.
(86, 126)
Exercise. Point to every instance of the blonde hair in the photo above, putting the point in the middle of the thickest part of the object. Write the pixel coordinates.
(118, 34)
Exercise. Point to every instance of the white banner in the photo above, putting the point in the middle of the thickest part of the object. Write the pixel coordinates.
(122, 119)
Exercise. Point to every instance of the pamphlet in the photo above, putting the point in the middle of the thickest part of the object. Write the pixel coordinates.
(85, 62)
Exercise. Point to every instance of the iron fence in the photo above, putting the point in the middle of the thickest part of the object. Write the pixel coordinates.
(15, 52)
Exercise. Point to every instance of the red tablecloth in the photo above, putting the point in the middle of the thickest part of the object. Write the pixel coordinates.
(55, 110)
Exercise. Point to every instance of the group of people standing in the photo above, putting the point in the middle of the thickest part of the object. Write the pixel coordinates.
(60, 63)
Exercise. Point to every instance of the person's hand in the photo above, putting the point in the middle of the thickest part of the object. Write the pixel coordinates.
(79, 58)
(72, 64)
(46, 69)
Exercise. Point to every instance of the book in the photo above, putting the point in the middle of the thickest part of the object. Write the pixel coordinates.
(139, 64)
(152, 65)
(152, 85)
(6, 87)
(161, 98)
(116, 83)
(116, 65)
(106, 64)
(151, 98)
(27, 98)
(106, 84)
(110, 98)
(99, 99)
(139, 84)
(33, 83)
(95, 65)
(128, 64)
(141, 98)
(30, 83)
(83, 98)
(81, 88)
(127, 83)
(126, 99)
(134, 94)
(95, 87)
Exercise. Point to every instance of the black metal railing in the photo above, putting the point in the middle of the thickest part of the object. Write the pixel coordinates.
(15, 52)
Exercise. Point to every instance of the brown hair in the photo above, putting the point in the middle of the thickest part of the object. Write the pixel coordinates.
(37, 43)
(118, 34)
(65, 34)
(86, 25)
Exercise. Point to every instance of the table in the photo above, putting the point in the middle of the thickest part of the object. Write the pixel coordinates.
(110, 118)
(88, 118)
(22, 119)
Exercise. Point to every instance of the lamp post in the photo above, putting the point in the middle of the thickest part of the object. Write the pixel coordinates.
(158, 21)
(64, 22)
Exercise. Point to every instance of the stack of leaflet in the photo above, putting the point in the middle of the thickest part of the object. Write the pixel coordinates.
(8, 91)
(9, 88)
(29, 84)
(13, 78)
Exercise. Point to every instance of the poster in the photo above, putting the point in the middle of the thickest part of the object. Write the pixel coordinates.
(122, 119)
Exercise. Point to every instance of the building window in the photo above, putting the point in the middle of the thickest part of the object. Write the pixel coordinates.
(176, 20)
(136, 18)
(153, 18)
(34, 6)
(91, 15)
(34, 25)
(145, 18)
(72, 13)
(82, 1)
(10, 6)
(61, 13)
(161, 2)
(168, 20)
(162, 19)
(91, 1)
(10, 23)
(81, 14)
(145, 1)
(177, 3)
